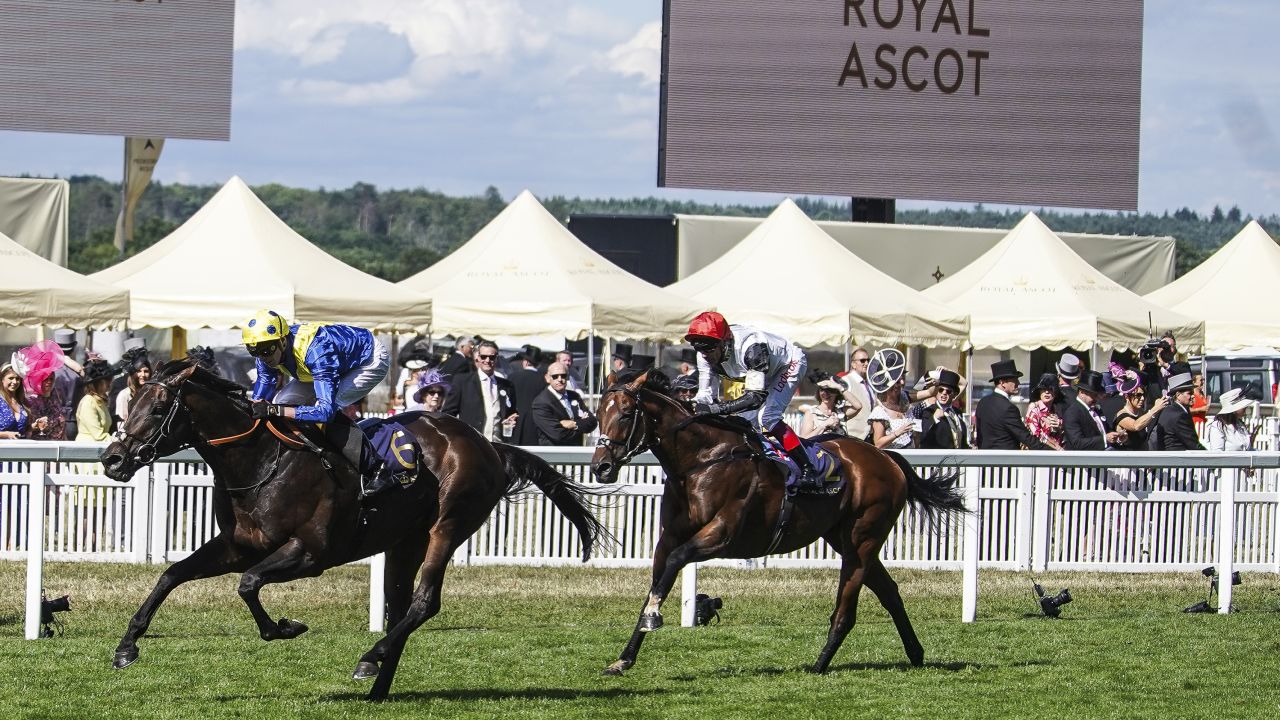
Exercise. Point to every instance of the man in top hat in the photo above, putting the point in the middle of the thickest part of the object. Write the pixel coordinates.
(621, 356)
(1173, 427)
(999, 422)
(68, 379)
(529, 382)
(1083, 426)
(1068, 370)
(942, 426)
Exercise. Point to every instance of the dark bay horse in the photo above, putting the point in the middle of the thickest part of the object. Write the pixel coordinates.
(723, 500)
(285, 511)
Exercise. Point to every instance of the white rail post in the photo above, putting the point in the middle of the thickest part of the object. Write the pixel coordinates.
(972, 523)
(1025, 539)
(1040, 523)
(377, 598)
(35, 547)
(158, 506)
(140, 505)
(688, 594)
(1226, 536)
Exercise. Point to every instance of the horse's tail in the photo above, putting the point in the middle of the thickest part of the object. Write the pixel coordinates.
(936, 496)
(524, 468)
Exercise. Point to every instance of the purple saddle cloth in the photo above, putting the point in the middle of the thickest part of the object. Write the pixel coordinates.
(826, 464)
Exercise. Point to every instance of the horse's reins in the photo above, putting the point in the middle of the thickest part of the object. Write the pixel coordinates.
(784, 513)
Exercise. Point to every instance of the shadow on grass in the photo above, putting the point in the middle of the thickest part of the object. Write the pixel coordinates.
(10, 619)
(854, 667)
(490, 694)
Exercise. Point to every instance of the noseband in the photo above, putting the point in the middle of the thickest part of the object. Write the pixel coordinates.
(632, 446)
(145, 453)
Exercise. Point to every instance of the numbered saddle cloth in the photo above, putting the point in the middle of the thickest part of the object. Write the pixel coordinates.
(826, 464)
(390, 444)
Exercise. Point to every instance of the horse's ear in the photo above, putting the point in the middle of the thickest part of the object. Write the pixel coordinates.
(181, 377)
(639, 381)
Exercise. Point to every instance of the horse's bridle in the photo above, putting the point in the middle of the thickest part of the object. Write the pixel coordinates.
(645, 441)
(145, 453)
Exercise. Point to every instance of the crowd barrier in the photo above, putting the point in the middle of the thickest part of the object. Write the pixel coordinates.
(1034, 511)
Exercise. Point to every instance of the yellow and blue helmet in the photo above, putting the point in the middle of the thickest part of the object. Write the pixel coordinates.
(264, 330)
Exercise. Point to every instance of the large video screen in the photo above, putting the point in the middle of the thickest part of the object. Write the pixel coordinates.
(156, 68)
(1008, 101)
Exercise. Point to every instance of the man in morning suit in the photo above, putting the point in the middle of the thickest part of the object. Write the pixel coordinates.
(559, 413)
(529, 383)
(999, 422)
(1174, 422)
(483, 399)
(1082, 426)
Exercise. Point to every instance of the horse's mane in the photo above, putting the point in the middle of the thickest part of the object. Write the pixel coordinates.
(658, 383)
(203, 378)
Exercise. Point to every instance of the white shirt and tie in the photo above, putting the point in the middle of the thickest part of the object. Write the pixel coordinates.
(492, 407)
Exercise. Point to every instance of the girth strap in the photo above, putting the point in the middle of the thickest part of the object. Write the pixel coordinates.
(784, 516)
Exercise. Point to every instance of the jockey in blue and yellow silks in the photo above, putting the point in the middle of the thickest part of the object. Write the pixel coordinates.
(332, 366)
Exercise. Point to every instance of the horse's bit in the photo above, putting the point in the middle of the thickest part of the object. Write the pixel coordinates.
(644, 442)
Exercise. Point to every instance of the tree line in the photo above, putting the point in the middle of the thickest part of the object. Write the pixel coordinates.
(395, 233)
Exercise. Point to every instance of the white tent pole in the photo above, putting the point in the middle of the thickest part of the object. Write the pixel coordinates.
(848, 352)
(968, 381)
(591, 363)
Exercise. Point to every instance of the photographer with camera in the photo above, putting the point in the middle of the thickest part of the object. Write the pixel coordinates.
(1154, 360)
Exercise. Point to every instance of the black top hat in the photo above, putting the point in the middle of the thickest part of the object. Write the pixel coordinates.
(1091, 382)
(622, 351)
(1004, 369)
(640, 362)
(948, 378)
(532, 353)
(689, 355)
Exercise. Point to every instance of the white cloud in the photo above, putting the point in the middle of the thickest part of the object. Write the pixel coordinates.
(448, 38)
(641, 55)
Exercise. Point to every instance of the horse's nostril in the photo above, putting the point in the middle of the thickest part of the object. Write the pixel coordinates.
(602, 469)
(112, 459)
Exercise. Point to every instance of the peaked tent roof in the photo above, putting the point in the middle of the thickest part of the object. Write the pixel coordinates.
(790, 276)
(235, 257)
(34, 291)
(1031, 291)
(524, 274)
(1224, 290)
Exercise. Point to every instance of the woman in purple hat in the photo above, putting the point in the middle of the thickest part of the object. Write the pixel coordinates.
(1132, 418)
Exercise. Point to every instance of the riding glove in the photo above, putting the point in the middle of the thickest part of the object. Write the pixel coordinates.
(262, 410)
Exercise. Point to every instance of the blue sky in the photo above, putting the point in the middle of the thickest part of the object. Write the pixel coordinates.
(560, 97)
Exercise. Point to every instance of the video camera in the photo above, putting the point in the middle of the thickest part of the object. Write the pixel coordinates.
(704, 609)
(1149, 353)
(48, 608)
(1051, 605)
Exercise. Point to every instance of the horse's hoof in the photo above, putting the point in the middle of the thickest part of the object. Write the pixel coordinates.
(650, 622)
(616, 669)
(285, 629)
(125, 658)
(365, 671)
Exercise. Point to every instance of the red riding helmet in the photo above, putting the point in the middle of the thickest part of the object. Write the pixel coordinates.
(709, 325)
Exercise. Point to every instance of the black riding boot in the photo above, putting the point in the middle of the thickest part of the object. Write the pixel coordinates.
(383, 480)
(808, 480)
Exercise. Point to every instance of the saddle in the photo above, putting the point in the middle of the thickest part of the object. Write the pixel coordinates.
(824, 463)
(376, 443)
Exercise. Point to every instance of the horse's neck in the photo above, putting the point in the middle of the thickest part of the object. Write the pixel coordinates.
(676, 449)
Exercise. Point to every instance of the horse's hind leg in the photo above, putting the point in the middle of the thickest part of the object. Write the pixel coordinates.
(214, 558)
(852, 572)
(402, 566)
(289, 562)
(877, 578)
(385, 654)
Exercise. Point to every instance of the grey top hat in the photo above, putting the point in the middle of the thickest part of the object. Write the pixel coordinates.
(65, 338)
(135, 343)
(1181, 381)
(1069, 366)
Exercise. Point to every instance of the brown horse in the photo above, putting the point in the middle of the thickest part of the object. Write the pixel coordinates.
(286, 511)
(723, 499)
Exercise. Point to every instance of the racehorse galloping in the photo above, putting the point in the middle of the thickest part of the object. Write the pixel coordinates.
(723, 500)
(285, 511)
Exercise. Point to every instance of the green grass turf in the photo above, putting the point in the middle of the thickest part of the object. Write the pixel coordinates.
(531, 642)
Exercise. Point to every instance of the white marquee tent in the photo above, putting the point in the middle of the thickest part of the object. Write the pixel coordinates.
(790, 277)
(525, 275)
(1032, 291)
(34, 291)
(234, 257)
(1228, 291)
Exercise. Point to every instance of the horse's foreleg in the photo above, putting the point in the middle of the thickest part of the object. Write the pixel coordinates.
(878, 579)
(289, 562)
(216, 557)
(383, 658)
(667, 564)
